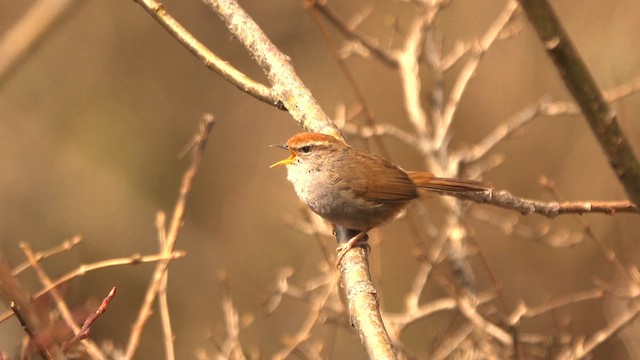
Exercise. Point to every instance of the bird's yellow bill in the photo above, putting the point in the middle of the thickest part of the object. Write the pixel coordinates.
(287, 161)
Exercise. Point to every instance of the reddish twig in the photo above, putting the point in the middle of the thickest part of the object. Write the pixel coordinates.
(86, 326)
(32, 336)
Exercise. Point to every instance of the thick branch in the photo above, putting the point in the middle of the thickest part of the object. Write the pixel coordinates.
(602, 119)
(287, 86)
(363, 301)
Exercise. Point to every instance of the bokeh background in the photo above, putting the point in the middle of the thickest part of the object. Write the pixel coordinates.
(92, 122)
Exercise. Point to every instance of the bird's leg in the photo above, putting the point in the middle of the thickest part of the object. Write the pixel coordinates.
(342, 249)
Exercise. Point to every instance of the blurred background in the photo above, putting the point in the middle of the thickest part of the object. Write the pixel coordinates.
(91, 125)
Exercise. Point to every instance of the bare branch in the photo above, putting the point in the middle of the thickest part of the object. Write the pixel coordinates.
(163, 302)
(61, 304)
(24, 37)
(348, 31)
(479, 49)
(579, 81)
(208, 57)
(86, 326)
(583, 348)
(177, 221)
(286, 85)
(65, 246)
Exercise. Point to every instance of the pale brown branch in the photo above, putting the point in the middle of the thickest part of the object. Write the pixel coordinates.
(311, 319)
(208, 57)
(379, 130)
(163, 302)
(468, 307)
(501, 132)
(177, 221)
(584, 348)
(232, 348)
(65, 246)
(31, 30)
(374, 49)
(398, 321)
(523, 311)
(409, 66)
(470, 67)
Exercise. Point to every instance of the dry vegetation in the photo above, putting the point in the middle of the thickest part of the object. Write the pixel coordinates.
(97, 101)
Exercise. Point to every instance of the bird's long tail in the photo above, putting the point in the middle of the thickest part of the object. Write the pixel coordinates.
(426, 180)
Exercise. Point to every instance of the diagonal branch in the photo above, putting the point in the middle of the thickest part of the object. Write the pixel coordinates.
(30, 31)
(579, 81)
(210, 60)
(286, 85)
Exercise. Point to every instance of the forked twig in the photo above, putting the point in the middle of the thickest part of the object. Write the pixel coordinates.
(177, 221)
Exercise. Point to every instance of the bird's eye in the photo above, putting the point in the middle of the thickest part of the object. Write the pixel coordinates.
(306, 149)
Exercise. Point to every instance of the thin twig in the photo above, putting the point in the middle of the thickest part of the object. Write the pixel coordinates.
(316, 308)
(86, 326)
(522, 311)
(479, 49)
(85, 268)
(163, 302)
(583, 348)
(208, 57)
(177, 221)
(32, 336)
(346, 30)
(65, 246)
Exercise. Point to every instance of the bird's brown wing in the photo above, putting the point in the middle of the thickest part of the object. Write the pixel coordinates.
(379, 180)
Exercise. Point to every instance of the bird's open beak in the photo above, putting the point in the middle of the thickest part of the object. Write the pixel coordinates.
(287, 161)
